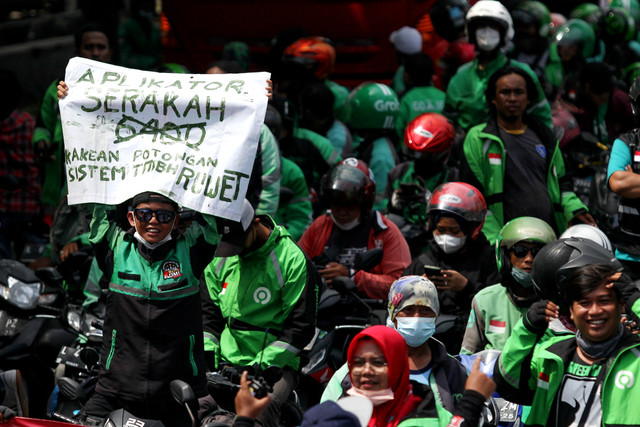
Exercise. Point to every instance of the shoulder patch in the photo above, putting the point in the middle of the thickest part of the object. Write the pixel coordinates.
(171, 270)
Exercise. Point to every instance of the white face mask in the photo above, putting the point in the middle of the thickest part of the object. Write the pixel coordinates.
(416, 330)
(448, 243)
(348, 226)
(140, 239)
(487, 39)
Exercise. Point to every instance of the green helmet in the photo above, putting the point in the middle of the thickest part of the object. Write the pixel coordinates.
(522, 229)
(577, 31)
(617, 26)
(539, 15)
(588, 12)
(630, 72)
(631, 6)
(372, 106)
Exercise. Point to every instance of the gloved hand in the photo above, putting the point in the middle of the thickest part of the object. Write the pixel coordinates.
(539, 315)
(6, 413)
(625, 287)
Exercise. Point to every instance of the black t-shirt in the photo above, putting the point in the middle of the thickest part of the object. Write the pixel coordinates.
(525, 180)
(578, 401)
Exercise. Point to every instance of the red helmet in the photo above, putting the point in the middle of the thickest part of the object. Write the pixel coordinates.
(313, 52)
(349, 181)
(429, 133)
(462, 200)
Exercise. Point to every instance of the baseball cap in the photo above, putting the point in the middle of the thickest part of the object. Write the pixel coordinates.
(149, 196)
(351, 411)
(234, 233)
(407, 40)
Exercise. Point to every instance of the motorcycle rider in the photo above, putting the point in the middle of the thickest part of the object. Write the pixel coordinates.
(352, 227)
(490, 28)
(581, 379)
(496, 309)
(428, 140)
(464, 261)
(259, 302)
(372, 110)
(515, 160)
(624, 179)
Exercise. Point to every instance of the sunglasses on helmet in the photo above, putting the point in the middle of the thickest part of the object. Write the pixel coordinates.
(163, 216)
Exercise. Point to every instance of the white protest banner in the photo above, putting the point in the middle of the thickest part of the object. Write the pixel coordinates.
(192, 137)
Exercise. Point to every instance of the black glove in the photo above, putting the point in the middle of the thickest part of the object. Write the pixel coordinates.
(535, 320)
(627, 289)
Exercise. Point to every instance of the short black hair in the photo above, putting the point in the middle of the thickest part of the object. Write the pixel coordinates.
(585, 279)
(91, 27)
(599, 76)
(318, 99)
(227, 66)
(490, 94)
(419, 68)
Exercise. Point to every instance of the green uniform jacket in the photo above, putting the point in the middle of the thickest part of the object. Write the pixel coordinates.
(422, 99)
(483, 166)
(530, 372)
(260, 307)
(492, 318)
(271, 173)
(294, 213)
(49, 128)
(153, 324)
(466, 102)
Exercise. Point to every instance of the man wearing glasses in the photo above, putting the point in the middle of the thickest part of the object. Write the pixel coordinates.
(496, 309)
(153, 324)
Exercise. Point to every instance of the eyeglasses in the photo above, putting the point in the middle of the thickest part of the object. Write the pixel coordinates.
(376, 365)
(522, 251)
(163, 216)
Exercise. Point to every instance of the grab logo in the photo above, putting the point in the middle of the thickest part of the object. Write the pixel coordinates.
(262, 295)
(384, 106)
(624, 379)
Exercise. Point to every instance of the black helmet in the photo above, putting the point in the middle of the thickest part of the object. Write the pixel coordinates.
(557, 260)
(448, 18)
(350, 181)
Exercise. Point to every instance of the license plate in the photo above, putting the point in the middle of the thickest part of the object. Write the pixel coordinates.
(9, 325)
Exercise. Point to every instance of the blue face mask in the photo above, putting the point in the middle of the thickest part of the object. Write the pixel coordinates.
(416, 330)
(522, 277)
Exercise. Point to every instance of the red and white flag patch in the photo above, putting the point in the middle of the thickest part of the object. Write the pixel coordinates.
(224, 288)
(497, 326)
(495, 158)
(543, 381)
(636, 156)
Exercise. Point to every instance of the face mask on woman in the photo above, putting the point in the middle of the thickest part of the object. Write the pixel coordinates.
(416, 330)
(448, 243)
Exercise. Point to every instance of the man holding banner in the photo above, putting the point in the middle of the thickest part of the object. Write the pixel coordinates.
(187, 139)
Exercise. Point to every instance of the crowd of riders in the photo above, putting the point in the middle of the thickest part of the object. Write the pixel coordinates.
(500, 178)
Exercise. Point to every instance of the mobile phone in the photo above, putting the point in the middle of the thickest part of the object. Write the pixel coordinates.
(432, 270)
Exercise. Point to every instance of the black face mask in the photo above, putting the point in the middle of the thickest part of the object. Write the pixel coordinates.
(428, 166)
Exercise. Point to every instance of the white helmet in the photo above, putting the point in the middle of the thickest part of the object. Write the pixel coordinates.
(588, 232)
(493, 10)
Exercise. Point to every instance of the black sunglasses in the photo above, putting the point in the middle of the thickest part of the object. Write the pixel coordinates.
(522, 251)
(163, 216)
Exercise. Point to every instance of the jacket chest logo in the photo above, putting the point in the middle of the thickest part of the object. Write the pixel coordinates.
(542, 150)
(624, 379)
(171, 270)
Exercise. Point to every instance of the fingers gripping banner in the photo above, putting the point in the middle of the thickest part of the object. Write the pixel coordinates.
(190, 137)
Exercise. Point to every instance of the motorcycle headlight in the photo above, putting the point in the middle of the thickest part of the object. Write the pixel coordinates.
(47, 299)
(23, 295)
(74, 320)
